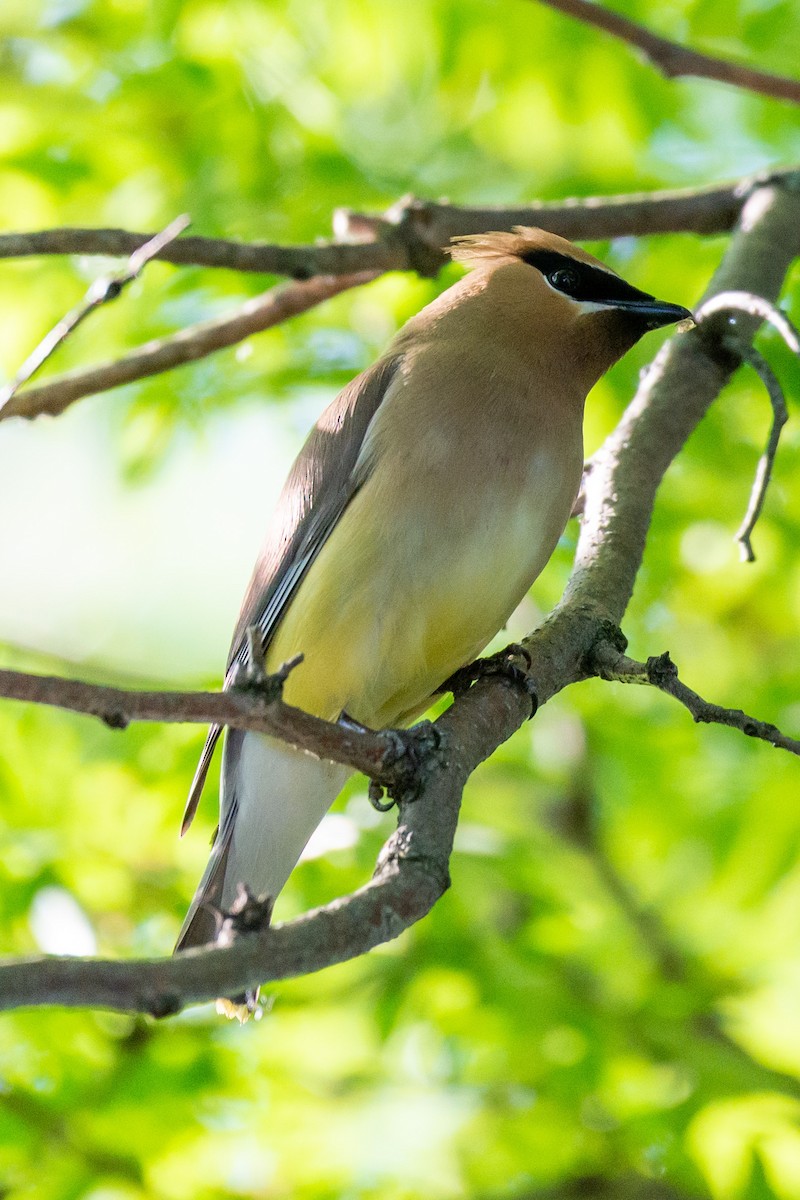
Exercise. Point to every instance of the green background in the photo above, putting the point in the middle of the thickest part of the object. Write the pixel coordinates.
(611, 989)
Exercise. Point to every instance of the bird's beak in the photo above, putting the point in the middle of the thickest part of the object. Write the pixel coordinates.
(655, 313)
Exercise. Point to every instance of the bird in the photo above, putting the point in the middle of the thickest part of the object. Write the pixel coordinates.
(426, 500)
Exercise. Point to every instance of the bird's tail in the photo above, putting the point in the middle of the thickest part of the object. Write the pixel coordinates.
(273, 796)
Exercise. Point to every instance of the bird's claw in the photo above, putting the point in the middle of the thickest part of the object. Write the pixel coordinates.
(410, 748)
(502, 663)
(376, 792)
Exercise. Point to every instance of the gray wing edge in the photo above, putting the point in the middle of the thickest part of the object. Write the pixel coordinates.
(198, 783)
(201, 924)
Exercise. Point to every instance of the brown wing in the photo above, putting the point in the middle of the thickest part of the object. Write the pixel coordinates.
(320, 485)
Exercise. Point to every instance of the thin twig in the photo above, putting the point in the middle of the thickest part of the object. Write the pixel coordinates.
(755, 306)
(660, 672)
(674, 60)
(102, 291)
(196, 341)
(780, 416)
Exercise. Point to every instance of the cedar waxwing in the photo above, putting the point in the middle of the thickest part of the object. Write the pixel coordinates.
(425, 502)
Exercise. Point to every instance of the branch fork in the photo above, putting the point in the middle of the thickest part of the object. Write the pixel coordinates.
(412, 871)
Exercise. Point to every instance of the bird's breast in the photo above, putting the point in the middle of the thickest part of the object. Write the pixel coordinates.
(462, 507)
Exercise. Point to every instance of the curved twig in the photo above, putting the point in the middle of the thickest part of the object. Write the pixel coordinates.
(780, 415)
(754, 306)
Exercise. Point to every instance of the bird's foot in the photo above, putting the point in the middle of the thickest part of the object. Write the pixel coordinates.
(248, 914)
(409, 750)
(502, 664)
(375, 791)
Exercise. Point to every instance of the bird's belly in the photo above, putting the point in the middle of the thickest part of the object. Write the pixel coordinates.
(393, 604)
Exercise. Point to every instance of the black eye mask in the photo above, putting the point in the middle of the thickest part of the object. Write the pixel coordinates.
(580, 281)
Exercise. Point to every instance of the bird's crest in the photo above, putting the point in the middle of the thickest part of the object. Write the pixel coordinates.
(479, 249)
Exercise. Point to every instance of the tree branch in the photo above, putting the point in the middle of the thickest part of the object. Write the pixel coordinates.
(416, 233)
(101, 292)
(673, 60)
(197, 341)
(341, 257)
(411, 874)
(412, 234)
(660, 672)
(412, 871)
(378, 754)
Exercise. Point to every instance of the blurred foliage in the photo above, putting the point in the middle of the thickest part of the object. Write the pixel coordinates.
(610, 990)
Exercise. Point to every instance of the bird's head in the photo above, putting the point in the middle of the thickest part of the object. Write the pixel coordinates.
(569, 293)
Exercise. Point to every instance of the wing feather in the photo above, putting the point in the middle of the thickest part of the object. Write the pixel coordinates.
(320, 485)
(198, 783)
(325, 477)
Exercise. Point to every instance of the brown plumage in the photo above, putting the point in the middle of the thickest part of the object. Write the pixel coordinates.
(427, 499)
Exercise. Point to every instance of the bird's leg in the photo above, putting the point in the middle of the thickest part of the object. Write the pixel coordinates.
(501, 663)
(348, 722)
(247, 914)
(375, 791)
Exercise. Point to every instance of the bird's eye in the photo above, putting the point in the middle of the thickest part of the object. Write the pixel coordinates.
(566, 279)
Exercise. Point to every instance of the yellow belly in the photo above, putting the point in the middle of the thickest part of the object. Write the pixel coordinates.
(405, 592)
